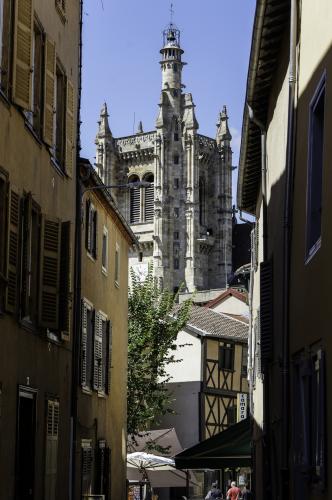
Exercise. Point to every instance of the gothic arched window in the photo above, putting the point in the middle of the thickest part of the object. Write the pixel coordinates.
(148, 199)
(201, 201)
(135, 202)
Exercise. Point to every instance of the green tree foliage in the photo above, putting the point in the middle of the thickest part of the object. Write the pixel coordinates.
(154, 322)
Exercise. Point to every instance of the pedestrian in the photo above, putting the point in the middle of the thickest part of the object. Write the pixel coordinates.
(214, 493)
(246, 493)
(234, 492)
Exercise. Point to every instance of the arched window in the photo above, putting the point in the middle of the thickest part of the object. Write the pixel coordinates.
(135, 198)
(148, 199)
(201, 201)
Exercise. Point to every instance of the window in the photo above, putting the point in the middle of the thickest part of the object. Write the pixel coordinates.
(176, 183)
(175, 93)
(231, 415)
(201, 201)
(148, 199)
(135, 203)
(51, 453)
(6, 12)
(226, 357)
(117, 265)
(309, 420)
(140, 256)
(101, 353)
(87, 344)
(175, 68)
(176, 263)
(244, 364)
(176, 212)
(59, 117)
(176, 235)
(315, 169)
(176, 159)
(3, 217)
(104, 254)
(30, 258)
(91, 229)
(34, 116)
(176, 136)
(106, 355)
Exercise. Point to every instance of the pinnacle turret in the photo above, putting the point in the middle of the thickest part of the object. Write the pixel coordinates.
(103, 125)
(223, 133)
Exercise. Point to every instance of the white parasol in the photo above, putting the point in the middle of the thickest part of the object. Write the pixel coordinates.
(141, 460)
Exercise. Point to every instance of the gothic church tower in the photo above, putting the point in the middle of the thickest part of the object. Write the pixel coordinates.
(184, 221)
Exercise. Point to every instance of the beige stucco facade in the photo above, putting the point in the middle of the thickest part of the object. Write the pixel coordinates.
(291, 347)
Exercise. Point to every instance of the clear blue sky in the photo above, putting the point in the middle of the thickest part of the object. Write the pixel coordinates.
(122, 39)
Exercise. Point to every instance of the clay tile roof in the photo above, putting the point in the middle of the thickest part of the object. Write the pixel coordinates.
(227, 293)
(207, 322)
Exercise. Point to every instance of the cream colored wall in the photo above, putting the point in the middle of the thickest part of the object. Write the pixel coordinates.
(189, 368)
(232, 305)
(112, 299)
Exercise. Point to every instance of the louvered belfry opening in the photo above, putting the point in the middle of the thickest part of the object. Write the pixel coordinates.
(148, 199)
(135, 197)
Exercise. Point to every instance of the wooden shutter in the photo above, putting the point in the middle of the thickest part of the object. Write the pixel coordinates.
(12, 251)
(65, 299)
(49, 282)
(320, 451)
(49, 91)
(26, 253)
(69, 154)
(266, 309)
(108, 356)
(22, 65)
(98, 353)
(6, 45)
(51, 458)
(84, 344)
(88, 225)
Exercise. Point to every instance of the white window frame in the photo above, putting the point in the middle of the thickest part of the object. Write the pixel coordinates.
(104, 269)
(313, 249)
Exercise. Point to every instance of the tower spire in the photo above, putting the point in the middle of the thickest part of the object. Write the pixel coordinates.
(171, 10)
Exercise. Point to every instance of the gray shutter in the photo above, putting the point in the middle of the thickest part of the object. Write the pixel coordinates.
(320, 452)
(49, 279)
(51, 459)
(88, 225)
(84, 344)
(12, 251)
(98, 353)
(108, 358)
(266, 309)
(26, 253)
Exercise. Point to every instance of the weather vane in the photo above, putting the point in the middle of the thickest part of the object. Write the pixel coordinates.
(172, 12)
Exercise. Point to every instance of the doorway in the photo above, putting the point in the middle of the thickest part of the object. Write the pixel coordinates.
(25, 444)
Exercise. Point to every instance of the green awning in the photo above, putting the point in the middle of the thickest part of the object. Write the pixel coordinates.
(230, 448)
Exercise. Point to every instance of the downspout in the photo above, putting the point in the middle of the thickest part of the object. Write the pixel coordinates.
(77, 279)
(288, 213)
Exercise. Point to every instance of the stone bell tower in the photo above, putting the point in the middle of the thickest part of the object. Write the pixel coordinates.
(183, 222)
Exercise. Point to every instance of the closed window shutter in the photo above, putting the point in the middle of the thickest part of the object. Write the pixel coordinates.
(95, 233)
(22, 74)
(26, 253)
(69, 158)
(135, 198)
(65, 299)
(88, 225)
(149, 201)
(320, 451)
(49, 92)
(108, 357)
(98, 353)
(266, 309)
(52, 438)
(84, 344)
(12, 251)
(6, 46)
(49, 283)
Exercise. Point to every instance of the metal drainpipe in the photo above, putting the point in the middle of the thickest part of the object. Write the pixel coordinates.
(288, 212)
(77, 280)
